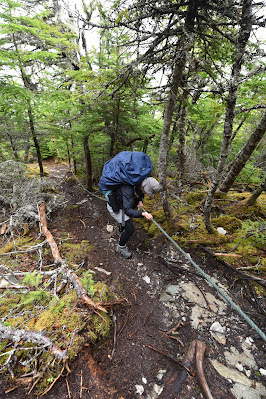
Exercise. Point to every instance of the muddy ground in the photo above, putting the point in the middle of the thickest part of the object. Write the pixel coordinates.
(162, 291)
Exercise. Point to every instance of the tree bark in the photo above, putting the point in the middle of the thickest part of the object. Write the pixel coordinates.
(243, 156)
(182, 137)
(183, 45)
(35, 140)
(87, 154)
(73, 155)
(242, 39)
(27, 85)
(13, 146)
(255, 195)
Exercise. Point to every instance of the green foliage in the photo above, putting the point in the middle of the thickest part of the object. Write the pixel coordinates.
(88, 283)
(32, 279)
(255, 230)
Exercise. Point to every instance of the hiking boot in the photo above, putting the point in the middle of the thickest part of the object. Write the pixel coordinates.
(122, 250)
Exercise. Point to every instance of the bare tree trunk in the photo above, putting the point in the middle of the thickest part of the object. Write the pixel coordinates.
(14, 149)
(243, 156)
(26, 152)
(183, 45)
(73, 155)
(257, 193)
(68, 153)
(88, 163)
(182, 137)
(242, 39)
(35, 140)
(27, 85)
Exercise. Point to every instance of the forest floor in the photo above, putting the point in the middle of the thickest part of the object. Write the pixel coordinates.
(166, 306)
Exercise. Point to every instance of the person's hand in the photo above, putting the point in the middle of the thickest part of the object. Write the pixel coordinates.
(147, 215)
(140, 204)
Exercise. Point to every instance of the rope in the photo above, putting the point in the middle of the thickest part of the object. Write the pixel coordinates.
(223, 294)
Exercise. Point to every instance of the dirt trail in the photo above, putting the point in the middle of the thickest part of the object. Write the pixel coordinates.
(161, 291)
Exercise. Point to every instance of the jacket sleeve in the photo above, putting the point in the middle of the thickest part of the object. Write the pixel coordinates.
(128, 202)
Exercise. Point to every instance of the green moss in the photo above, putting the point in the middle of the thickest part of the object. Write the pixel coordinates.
(195, 197)
(229, 223)
(75, 252)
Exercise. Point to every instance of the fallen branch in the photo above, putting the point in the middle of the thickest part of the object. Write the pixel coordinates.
(71, 276)
(227, 254)
(174, 385)
(201, 347)
(32, 336)
(243, 275)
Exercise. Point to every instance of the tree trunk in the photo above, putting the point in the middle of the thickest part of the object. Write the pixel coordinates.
(68, 153)
(73, 155)
(183, 45)
(257, 193)
(13, 146)
(26, 152)
(88, 163)
(182, 137)
(243, 156)
(27, 85)
(35, 140)
(242, 39)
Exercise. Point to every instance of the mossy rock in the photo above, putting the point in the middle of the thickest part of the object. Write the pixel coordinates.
(229, 223)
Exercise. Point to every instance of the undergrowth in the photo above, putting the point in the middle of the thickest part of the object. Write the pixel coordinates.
(60, 316)
(244, 226)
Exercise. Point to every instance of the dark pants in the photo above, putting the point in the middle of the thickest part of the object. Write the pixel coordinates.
(126, 232)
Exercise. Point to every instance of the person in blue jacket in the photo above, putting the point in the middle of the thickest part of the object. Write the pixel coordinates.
(129, 198)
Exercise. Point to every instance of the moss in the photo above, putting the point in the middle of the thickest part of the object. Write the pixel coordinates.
(195, 197)
(20, 242)
(74, 252)
(229, 223)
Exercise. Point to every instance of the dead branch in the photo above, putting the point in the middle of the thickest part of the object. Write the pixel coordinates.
(71, 276)
(201, 347)
(17, 335)
(174, 385)
(48, 235)
(243, 275)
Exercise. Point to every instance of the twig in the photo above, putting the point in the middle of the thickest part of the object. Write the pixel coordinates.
(169, 357)
(68, 390)
(115, 331)
(57, 378)
(81, 382)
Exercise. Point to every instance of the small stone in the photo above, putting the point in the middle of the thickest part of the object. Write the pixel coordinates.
(248, 373)
(147, 279)
(239, 367)
(144, 380)
(249, 341)
(262, 371)
(110, 228)
(161, 374)
(221, 230)
(139, 389)
(217, 328)
(140, 264)
(157, 389)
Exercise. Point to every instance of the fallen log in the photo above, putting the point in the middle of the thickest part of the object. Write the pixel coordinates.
(174, 385)
(201, 347)
(71, 276)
